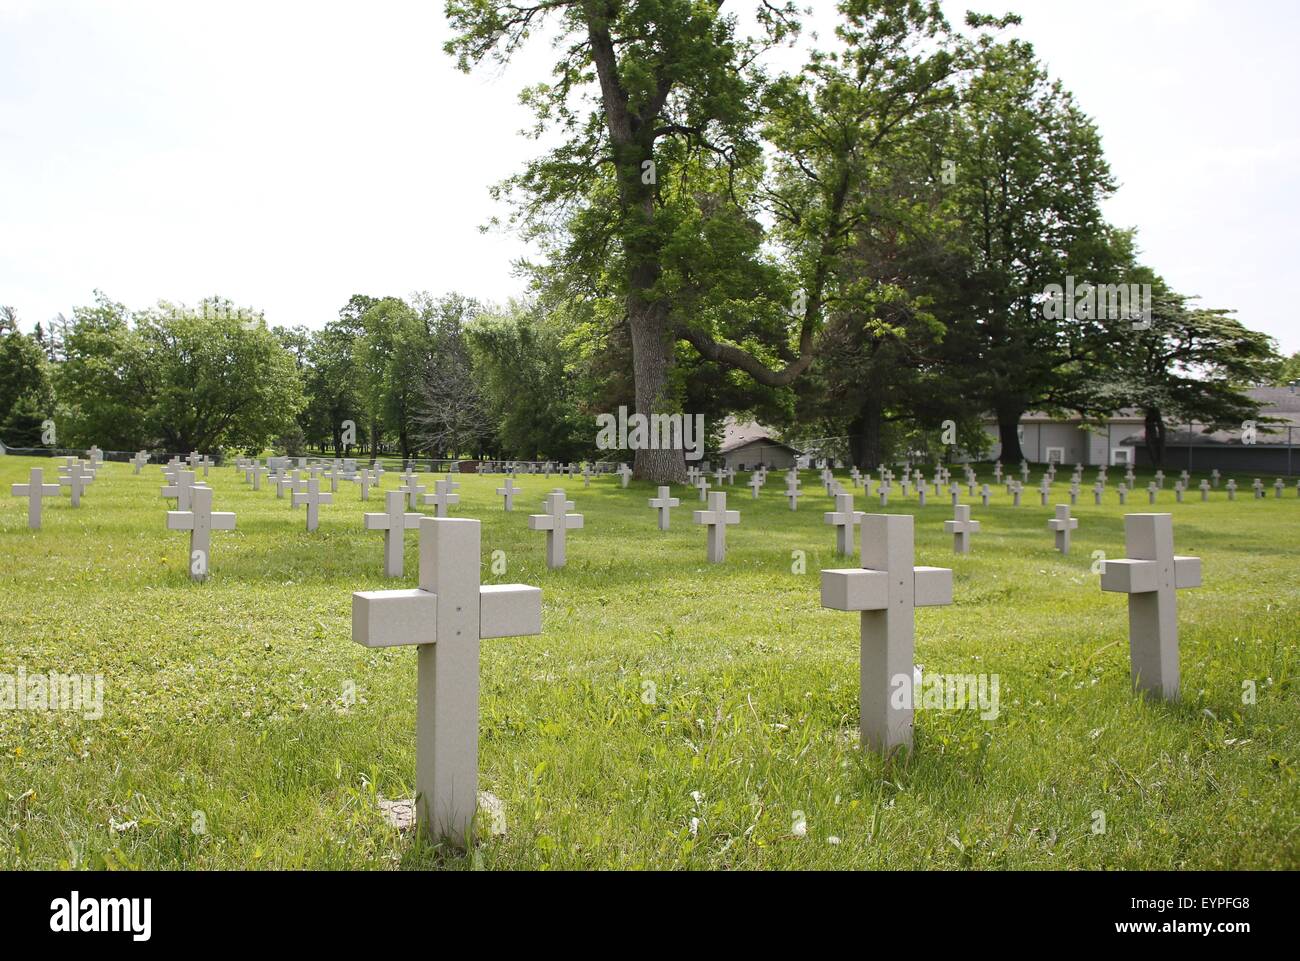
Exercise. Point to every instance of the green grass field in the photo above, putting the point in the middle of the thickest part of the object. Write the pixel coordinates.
(224, 701)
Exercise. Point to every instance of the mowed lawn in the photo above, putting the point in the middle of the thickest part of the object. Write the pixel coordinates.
(673, 714)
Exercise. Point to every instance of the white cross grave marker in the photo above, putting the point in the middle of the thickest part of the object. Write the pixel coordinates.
(664, 504)
(961, 527)
(200, 521)
(555, 522)
(442, 498)
(508, 492)
(625, 473)
(1063, 523)
(446, 618)
(394, 523)
(76, 480)
(845, 520)
(885, 592)
(1151, 576)
(35, 490)
(139, 460)
(717, 518)
(313, 498)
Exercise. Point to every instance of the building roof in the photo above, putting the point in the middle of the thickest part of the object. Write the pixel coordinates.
(736, 434)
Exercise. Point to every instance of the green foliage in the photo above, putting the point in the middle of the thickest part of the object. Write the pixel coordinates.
(175, 378)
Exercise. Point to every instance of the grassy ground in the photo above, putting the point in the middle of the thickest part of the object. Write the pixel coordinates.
(225, 707)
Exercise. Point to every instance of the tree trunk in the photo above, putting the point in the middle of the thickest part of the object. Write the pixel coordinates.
(1009, 435)
(866, 443)
(1155, 436)
(652, 362)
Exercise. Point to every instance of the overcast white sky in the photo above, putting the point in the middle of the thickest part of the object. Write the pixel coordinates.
(289, 154)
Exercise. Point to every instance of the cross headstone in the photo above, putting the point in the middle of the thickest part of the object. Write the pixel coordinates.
(447, 617)
(1151, 576)
(885, 592)
(845, 520)
(412, 490)
(624, 473)
(200, 520)
(1160, 479)
(556, 522)
(1258, 485)
(756, 484)
(1063, 523)
(702, 485)
(1122, 491)
(1044, 491)
(394, 522)
(1231, 488)
(508, 492)
(442, 498)
(286, 481)
(828, 476)
(182, 487)
(792, 491)
(259, 471)
(961, 527)
(35, 490)
(717, 518)
(313, 498)
(139, 460)
(1205, 490)
(997, 472)
(1178, 491)
(664, 504)
(1152, 490)
(1278, 486)
(884, 494)
(75, 481)
(984, 494)
(1214, 478)
(1016, 491)
(1098, 489)
(855, 476)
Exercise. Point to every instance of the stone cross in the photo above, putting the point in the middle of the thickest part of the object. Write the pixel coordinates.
(394, 523)
(1205, 490)
(442, 498)
(1160, 479)
(139, 460)
(1277, 487)
(792, 491)
(200, 521)
(625, 473)
(1259, 488)
(1214, 477)
(664, 504)
(702, 485)
(367, 479)
(508, 492)
(1122, 491)
(756, 483)
(716, 519)
(206, 463)
(332, 475)
(1016, 492)
(827, 477)
(447, 617)
(1151, 576)
(192, 459)
(182, 488)
(1063, 523)
(75, 481)
(1152, 490)
(984, 494)
(961, 527)
(920, 494)
(1097, 490)
(884, 494)
(586, 475)
(997, 472)
(555, 522)
(259, 471)
(844, 519)
(1231, 488)
(285, 481)
(1044, 491)
(720, 476)
(313, 498)
(1178, 491)
(885, 592)
(856, 476)
(95, 455)
(35, 490)
(412, 490)
(1074, 492)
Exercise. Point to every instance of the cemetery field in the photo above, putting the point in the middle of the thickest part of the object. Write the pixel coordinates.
(673, 714)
